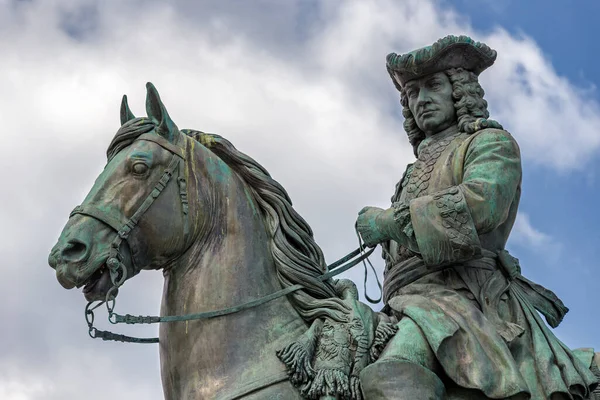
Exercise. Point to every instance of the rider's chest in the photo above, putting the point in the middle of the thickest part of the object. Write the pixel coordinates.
(434, 170)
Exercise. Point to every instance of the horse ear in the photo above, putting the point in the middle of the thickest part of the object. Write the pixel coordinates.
(157, 111)
(126, 114)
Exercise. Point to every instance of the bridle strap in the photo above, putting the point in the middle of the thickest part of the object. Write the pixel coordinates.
(94, 212)
(123, 226)
(164, 143)
(158, 188)
(182, 181)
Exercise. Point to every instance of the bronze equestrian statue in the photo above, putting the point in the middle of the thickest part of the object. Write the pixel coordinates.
(250, 310)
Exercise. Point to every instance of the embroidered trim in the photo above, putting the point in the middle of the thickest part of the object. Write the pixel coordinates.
(418, 180)
(402, 252)
(455, 219)
(415, 181)
(402, 218)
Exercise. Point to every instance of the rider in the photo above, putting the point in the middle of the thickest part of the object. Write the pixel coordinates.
(467, 316)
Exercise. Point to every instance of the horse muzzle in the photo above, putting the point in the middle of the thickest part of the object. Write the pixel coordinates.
(80, 256)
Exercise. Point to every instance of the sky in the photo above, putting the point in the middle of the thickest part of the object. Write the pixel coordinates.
(301, 87)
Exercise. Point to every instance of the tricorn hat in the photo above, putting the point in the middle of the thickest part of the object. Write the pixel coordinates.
(449, 52)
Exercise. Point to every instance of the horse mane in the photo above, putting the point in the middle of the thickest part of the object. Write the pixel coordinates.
(298, 259)
(127, 134)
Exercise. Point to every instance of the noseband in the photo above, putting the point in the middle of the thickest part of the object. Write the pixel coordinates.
(124, 226)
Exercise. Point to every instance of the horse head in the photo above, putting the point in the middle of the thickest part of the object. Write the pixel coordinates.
(136, 215)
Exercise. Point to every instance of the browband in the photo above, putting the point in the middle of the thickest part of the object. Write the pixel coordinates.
(164, 143)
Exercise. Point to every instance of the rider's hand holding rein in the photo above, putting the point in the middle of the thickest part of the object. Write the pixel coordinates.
(376, 225)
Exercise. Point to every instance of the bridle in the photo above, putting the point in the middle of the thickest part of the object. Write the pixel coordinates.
(119, 272)
(124, 226)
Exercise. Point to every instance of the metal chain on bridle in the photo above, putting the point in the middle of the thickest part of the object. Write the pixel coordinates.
(119, 272)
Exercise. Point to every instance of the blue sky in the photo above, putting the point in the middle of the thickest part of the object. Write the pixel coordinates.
(301, 87)
(565, 31)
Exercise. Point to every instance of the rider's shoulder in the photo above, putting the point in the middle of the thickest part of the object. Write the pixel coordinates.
(492, 135)
(489, 138)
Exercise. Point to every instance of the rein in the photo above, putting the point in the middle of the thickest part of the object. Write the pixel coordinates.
(336, 268)
(119, 273)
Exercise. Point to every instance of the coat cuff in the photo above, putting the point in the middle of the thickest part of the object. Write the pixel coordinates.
(444, 229)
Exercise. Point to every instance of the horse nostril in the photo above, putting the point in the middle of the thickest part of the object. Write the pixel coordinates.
(75, 250)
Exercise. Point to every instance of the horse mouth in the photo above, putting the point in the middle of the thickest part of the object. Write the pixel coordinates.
(97, 284)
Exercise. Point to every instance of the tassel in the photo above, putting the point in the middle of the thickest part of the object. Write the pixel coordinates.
(328, 382)
(298, 355)
(384, 332)
(296, 359)
(355, 388)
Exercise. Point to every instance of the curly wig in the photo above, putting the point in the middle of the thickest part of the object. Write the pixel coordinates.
(471, 108)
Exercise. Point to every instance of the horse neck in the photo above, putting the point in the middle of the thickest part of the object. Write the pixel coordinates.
(232, 264)
(232, 256)
(229, 266)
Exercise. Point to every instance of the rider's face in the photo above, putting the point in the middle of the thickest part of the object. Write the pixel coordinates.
(431, 103)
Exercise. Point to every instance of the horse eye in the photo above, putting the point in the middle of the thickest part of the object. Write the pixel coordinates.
(139, 168)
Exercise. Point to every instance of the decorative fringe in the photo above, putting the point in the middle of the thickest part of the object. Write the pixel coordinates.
(298, 355)
(328, 382)
(325, 382)
(325, 366)
(297, 360)
(384, 332)
(355, 388)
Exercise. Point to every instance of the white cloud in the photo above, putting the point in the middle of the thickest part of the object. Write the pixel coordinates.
(18, 390)
(74, 376)
(526, 237)
(319, 113)
(554, 122)
(525, 234)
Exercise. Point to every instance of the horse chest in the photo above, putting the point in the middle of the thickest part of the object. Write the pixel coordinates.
(212, 359)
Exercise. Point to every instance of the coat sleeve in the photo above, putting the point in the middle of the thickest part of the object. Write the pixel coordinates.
(447, 224)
